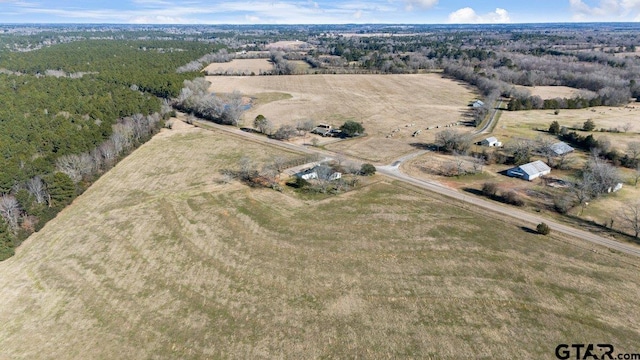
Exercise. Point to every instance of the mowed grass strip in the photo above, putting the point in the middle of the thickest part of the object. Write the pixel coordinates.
(160, 260)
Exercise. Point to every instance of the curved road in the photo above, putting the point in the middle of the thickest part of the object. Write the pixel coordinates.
(393, 171)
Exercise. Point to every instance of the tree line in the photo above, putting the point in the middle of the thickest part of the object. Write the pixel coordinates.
(69, 112)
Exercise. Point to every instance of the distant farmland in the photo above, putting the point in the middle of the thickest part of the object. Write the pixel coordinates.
(383, 103)
(240, 66)
(160, 259)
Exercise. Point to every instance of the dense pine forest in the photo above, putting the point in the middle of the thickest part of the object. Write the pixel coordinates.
(69, 111)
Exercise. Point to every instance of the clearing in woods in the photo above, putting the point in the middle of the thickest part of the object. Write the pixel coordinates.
(552, 92)
(382, 103)
(240, 66)
(158, 259)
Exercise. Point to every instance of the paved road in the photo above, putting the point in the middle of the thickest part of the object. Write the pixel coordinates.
(393, 171)
(489, 125)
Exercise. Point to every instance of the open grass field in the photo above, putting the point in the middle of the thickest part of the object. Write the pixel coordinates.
(240, 66)
(552, 92)
(383, 103)
(159, 260)
(522, 124)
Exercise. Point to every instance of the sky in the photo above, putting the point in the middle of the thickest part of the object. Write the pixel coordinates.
(317, 11)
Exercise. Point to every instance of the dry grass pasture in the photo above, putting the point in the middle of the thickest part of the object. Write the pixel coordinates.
(288, 45)
(159, 260)
(552, 92)
(522, 124)
(383, 103)
(240, 66)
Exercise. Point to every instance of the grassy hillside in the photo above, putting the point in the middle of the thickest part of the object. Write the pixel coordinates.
(159, 260)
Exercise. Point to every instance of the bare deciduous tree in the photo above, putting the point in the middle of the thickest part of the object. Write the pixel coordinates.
(451, 140)
(478, 163)
(279, 163)
(631, 216)
(543, 147)
(636, 175)
(76, 166)
(583, 191)
(304, 126)
(247, 169)
(633, 149)
(233, 109)
(35, 186)
(10, 211)
(522, 150)
(564, 161)
(108, 152)
(601, 175)
(285, 132)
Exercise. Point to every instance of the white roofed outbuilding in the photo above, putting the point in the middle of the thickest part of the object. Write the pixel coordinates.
(530, 171)
(491, 141)
(561, 148)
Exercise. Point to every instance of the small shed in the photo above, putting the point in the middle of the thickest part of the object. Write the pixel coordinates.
(530, 171)
(561, 148)
(490, 141)
(477, 104)
(616, 188)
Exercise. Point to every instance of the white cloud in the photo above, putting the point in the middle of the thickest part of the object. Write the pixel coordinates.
(252, 19)
(606, 10)
(422, 4)
(217, 12)
(469, 16)
(158, 20)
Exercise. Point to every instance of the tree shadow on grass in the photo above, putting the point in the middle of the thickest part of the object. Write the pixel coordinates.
(424, 146)
(529, 230)
(596, 228)
(472, 191)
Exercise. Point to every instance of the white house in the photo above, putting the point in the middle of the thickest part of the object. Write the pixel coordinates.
(312, 173)
(307, 174)
(561, 148)
(530, 171)
(490, 141)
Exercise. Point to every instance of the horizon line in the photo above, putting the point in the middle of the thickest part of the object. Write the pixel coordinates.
(322, 24)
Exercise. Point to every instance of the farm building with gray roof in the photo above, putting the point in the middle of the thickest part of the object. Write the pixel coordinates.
(530, 171)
